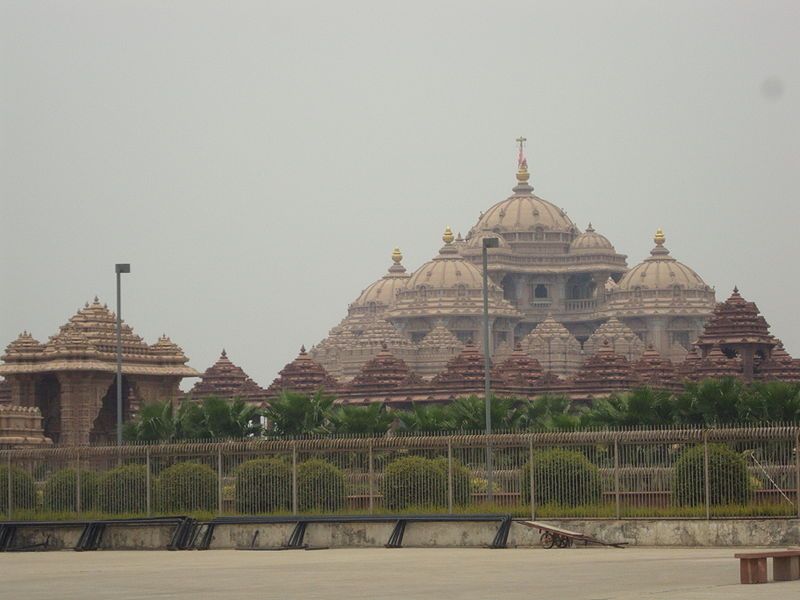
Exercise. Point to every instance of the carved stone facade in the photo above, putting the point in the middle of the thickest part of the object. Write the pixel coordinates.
(21, 427)
(71, 377)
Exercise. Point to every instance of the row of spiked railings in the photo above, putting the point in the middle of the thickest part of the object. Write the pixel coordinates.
(631, 473)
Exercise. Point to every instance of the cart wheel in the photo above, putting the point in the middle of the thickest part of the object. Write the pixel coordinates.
(547, 540)
(562, 542)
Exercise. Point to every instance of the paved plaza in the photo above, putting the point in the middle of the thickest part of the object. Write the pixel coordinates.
(444, 573)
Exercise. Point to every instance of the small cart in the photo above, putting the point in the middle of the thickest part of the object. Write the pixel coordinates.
(556, 537)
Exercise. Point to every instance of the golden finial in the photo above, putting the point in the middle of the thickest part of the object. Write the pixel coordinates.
(522, 162)
(448, 237)
(397, 256)
(660, 238)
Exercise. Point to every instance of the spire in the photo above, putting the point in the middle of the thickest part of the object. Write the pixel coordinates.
(522, 169)
(447, 236)
(590, 229)
(397, 256)
(397, 266)
(659, 238)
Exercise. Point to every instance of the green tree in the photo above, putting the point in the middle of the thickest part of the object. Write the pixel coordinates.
(293, 413)
(423, 418)
(370, 419)
(469, 414)
(641, 406)
(771, 401)
(155, 422)
(216, 418)
(710, 402)
(549, 412)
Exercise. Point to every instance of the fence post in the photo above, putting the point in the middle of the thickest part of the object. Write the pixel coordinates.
(147, 482)
(706, 475)
(797, 471)
(219, 480)
(294, 477)
(78, 481)
(532, 486)
(371, 480)
(450, 475)
(10, 496)
(616, 475)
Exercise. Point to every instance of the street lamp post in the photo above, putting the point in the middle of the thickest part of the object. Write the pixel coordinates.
(120, 268)
(488, 242)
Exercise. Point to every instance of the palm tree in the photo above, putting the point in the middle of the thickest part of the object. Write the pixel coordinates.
(294, 413)
(549, 413)
(772, 401)
(156, 422)
(370, 419)
(421, 418)
(641, 406)
(469, 414)
(710, 402)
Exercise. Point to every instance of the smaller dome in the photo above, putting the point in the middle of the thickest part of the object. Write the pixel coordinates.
(382, 293)
(660, 271)
(591, 242)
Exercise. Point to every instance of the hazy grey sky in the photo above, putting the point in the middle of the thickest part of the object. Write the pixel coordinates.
(257, 161)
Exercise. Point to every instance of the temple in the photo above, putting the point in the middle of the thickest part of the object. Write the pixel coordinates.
(556, 290)
(71, 379)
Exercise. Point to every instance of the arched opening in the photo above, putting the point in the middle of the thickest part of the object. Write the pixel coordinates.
(104, 428)
(540, 292)
(580, 287)
(48, 401)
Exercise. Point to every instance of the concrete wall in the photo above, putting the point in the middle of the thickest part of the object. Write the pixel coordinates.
(645, 532)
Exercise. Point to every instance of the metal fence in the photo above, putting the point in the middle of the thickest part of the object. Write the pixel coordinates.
(696, 473)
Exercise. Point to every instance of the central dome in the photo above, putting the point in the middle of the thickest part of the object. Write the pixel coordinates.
(524, 217)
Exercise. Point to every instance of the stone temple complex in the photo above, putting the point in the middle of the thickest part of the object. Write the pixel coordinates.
(567, 316)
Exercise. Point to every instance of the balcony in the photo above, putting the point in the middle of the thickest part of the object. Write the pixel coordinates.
(586, 305)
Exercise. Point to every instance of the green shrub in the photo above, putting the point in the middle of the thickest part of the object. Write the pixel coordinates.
(418, 481)
(186, 487)
(462, 480)
(320, 486)
(263, 485)
(123, 490)
(728, 482)
(60, 491)
(563, 477)
(23, 491)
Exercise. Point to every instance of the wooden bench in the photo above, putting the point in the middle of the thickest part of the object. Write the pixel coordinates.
(753, 565)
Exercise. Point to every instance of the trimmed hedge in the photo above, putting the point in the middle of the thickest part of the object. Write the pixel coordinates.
(263, 485)
(563, 477)
(123, 490)
(728, 484)
(419, 481)
(186, 487)
(320, 486)
(23, 491)
(60, 491)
